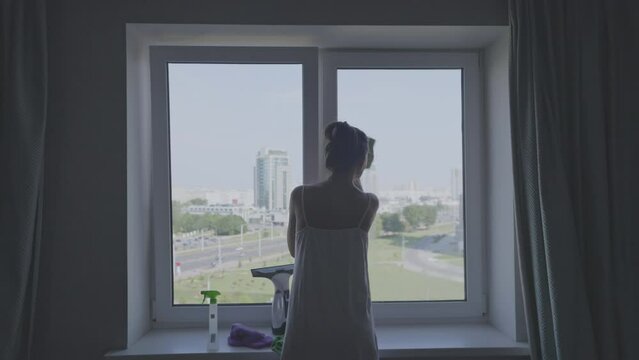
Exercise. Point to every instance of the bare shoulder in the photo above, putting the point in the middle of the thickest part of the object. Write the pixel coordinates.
(296, 193)
(312, 190)
(315, 186)
(374, 201)
(297, 190)
(295, 198)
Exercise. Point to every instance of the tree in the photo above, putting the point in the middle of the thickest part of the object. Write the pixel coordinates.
(420, 215)
(185, 223)
(430, 215)
(197, 201)
(392, 223)
(229, 225)
(413, 214)
(206, 221)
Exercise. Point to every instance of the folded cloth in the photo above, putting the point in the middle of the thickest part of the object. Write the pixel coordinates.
(242, 335)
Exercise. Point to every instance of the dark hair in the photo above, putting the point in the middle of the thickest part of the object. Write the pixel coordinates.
(346, 148)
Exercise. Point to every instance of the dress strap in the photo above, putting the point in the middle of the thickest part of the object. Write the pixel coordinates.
(304, 208)
(368, 205)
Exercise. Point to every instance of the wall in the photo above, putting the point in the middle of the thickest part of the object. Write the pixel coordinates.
(504, 311)
(82, 303)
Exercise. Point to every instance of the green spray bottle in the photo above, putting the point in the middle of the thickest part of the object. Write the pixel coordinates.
(211, 296)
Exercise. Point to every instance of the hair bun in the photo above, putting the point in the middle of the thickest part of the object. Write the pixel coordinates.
(347, 145)
(339, 130)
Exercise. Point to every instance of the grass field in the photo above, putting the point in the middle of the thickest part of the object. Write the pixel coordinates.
(236, 285)
(390, 281)
(455, 260)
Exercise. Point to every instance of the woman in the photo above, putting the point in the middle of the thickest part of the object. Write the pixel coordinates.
(329, 315)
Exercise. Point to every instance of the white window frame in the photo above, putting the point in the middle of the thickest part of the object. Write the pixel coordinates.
(164, 311)
(474, 306)
(319, 109)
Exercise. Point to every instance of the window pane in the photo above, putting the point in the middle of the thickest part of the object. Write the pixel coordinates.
(416, 249)
(236, 153)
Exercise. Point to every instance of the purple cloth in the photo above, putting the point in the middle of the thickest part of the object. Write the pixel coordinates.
(242, 335)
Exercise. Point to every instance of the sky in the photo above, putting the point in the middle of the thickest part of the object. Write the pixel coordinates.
(222, 114)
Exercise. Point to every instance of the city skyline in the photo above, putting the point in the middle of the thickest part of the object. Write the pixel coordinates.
(215, 129)
(246, 196)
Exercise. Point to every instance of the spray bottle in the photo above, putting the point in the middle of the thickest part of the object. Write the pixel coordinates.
(211, 296)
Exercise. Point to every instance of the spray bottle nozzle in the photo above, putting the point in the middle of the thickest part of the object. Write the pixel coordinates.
(211, 295)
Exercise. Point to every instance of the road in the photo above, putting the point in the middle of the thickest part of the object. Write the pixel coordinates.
(231, 252)
(422, 259)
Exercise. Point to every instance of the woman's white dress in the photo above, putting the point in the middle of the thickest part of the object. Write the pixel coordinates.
(329, 315)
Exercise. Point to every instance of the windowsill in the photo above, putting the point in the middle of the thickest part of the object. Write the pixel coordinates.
(394, 341)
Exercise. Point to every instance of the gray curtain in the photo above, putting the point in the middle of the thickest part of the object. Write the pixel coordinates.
(574, 82)
(23, 89)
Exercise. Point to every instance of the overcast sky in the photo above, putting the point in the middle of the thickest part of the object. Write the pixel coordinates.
(221, 115)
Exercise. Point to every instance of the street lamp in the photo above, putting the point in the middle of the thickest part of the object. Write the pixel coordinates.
(403, 251)
(259, 242)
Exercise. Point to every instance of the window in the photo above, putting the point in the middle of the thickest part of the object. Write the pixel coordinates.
(412, 102)
(416, 245)
(235, 129)
(236, 154)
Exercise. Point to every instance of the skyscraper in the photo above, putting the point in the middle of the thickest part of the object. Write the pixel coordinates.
(271, 179)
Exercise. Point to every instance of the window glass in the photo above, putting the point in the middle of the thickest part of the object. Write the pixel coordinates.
(236, 154)
(416, 249)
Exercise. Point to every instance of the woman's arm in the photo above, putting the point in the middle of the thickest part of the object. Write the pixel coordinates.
(292, 221)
